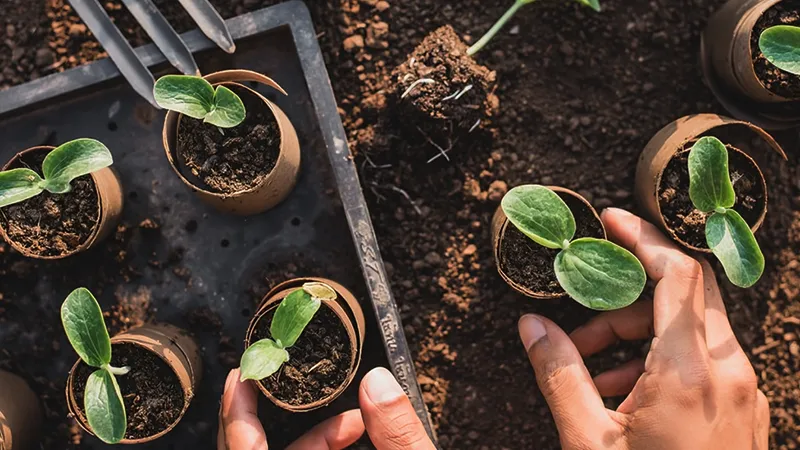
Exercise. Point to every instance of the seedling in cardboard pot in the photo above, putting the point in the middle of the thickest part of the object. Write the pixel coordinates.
(595, 272)
(781, 46)
(729, 237)
(197, 98)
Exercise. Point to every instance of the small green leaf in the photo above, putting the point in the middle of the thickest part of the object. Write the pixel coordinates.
(733, 243)
(292, 316)
(228, 110)
(262, 359)
(72, 160)
(599, 274)
(186, 94)
(104, 407)
(86, 331)
(781, 46)
(17, 185)
(540, 214)
(594, 4)
(710, 184)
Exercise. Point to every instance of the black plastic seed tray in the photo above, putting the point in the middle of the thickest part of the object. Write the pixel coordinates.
(188, 259)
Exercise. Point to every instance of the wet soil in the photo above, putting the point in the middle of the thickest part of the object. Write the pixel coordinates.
(688, 223)
(151, 391)
(531, 265)
(236, 159)
(52, 224)
(780, 82)
(319, 362)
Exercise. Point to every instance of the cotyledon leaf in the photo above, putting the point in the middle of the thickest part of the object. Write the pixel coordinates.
(292, 316)
(72, 160)
(186, 94)
(17, 185)
(540, 214)
(732, 242)
(83, 322)
(228, 110)
(105, 410)
(710, 184)
(262, 359)
(781, 46)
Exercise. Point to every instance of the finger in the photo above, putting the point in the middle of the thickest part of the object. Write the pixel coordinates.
(761, 433)
(628, 324)
(335, 433)
(564, 381)
(241, 427)
(722, 343)
(620, 380)
(391, 422)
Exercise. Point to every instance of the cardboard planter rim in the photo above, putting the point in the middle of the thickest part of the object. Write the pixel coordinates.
(499, 225)
(672, 139)
(281, 179)
(351, 316)
(174, 346)
(110, 201)
(20, 413)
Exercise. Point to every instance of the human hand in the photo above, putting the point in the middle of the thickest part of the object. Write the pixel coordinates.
(695, 390)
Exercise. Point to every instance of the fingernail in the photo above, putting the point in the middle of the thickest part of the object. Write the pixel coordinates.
(232, 376)
(382, 387)
(619, 211)
(531, 330)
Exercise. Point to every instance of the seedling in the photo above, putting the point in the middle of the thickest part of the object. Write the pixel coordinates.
(597, 273)
(87, 333)
(197, 98)
(594, 4)
(62, 165)
(781, 46)
(727, 234)
(266, 356)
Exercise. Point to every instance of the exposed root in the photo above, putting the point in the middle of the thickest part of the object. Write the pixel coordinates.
(415, 84)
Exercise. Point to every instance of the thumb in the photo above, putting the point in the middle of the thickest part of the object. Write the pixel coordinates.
(562, 377)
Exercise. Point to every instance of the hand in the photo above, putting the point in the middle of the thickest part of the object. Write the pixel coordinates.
(695, 390)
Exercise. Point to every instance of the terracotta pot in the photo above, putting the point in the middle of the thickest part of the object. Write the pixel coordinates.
(20, 413)
(669, 141)
(280, 181)
(727, 61)
(109, 204)
(174, 346)
(500, 224)
(346, 308)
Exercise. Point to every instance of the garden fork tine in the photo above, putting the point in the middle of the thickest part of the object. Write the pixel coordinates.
(210, 23)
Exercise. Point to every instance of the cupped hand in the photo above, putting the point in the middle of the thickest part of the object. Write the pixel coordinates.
(696, 388)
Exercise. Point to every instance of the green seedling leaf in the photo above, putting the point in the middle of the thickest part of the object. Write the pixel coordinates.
(540, 214)
(196, 97)
(86, 331)
(710, 184)
(72, 160)
(599, 274)
(17, 185)
(292, 316)
(228, 110)
(733, 243)
(594, 4)
(105, 410)
(262, 359)
(781, 46)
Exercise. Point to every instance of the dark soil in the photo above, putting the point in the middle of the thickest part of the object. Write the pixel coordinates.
(151, 390)
(319, 361)
(238, 159)
(688, 223)
(52, 224)
(530, 264)
(780, 82)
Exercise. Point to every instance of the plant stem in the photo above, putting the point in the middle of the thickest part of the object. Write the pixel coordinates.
(117, 370)
(497, 26)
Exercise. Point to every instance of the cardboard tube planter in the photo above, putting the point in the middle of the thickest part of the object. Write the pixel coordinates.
(173, 346)
(501, 227)
(20, 414)
(728, 64)
(109, 206)
(676, 138)
(347, 310)
(276, 185)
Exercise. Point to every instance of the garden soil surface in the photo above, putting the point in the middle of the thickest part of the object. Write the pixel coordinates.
(580, 94)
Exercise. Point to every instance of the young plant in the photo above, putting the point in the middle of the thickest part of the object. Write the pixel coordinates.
(597, 273)
(518, 4)
(62, 165)
(197, 98)
(727, 234)
(266, 356)
(781, 46)
(87, 333)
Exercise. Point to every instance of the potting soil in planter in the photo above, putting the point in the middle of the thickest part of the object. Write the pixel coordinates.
(688, 223)
(151, 391)
(776, 80)
(530, 264)
(52, 224)
(318, 362)
(229, 160)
